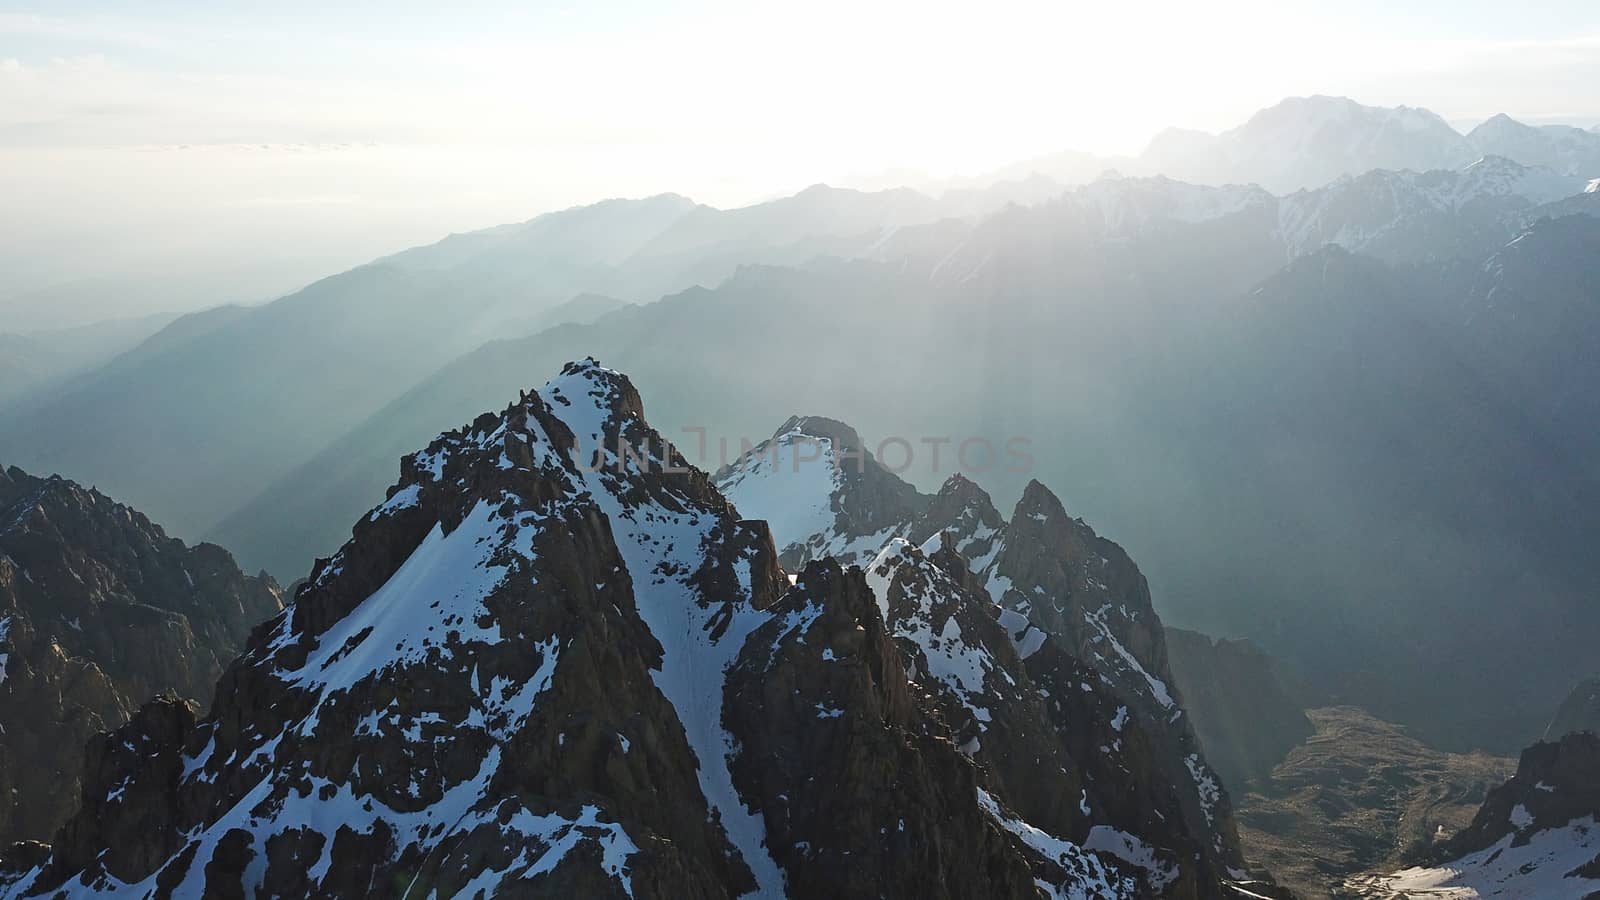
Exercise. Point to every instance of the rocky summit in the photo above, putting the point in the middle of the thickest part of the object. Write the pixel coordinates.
(557, 661)
(99, 611)
(1046, 576)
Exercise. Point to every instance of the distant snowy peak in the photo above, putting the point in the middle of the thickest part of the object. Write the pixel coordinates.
(1499, 176)
(1403, 213)
(1129, 203)
(1299, 121)
(1305, 142)
(1560, 148)
(821, 491)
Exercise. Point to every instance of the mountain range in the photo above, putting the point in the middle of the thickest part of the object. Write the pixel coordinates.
(1302, 143)
(1174, 353)
(557, 661)
(1167, 332)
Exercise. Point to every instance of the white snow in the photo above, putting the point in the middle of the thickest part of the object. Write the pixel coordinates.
(1026, 638)
(404, 498)
(1210, 793)
(1121, 718)
(1158, 688)
(947, 656)
(1520, 817)
(1537, 869)
(1132, 850)
(1094, 879)
(431, 826)
(438, 591)
(5, 634)
(789, 481)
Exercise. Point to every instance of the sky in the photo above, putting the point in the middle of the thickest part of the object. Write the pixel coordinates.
(162, 154)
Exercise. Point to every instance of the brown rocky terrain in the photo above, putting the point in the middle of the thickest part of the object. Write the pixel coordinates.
(1360, 795)
(99, 611)
(1537, 835)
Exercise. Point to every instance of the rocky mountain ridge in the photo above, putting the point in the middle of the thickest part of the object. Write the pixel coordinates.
(556, 661)
(99, 611)
(1052, 577)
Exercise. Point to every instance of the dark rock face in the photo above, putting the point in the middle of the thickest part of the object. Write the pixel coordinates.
(819, 690)
(1556, 783)
(1087, 594)
(1042, 726)
(1579, 712)
(540, 670)
(99, 611)
(1244, 713)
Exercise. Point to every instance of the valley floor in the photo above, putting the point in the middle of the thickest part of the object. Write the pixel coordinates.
(1354, 798)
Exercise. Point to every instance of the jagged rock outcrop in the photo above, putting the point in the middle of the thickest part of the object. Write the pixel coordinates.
(1052, 577)
(99, 611)
(1041, 724)
(539, 668)
(1579, 712)
(819, 690)
(1537, 835)
(1086, 592)
(1244, 711)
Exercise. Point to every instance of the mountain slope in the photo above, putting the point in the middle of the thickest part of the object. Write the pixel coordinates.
(99, 611)
(32, 362)
(281, 376)
(1360, 795)
(1245, 714)
(555, 662)
(1537, 835)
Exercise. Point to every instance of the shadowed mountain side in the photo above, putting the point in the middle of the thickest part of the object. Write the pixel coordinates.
(1247, 716)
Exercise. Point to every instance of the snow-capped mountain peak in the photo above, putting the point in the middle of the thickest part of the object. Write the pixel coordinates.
(555, 660)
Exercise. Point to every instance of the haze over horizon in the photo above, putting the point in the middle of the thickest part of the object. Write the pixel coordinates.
(799, 452)
(255, 155)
